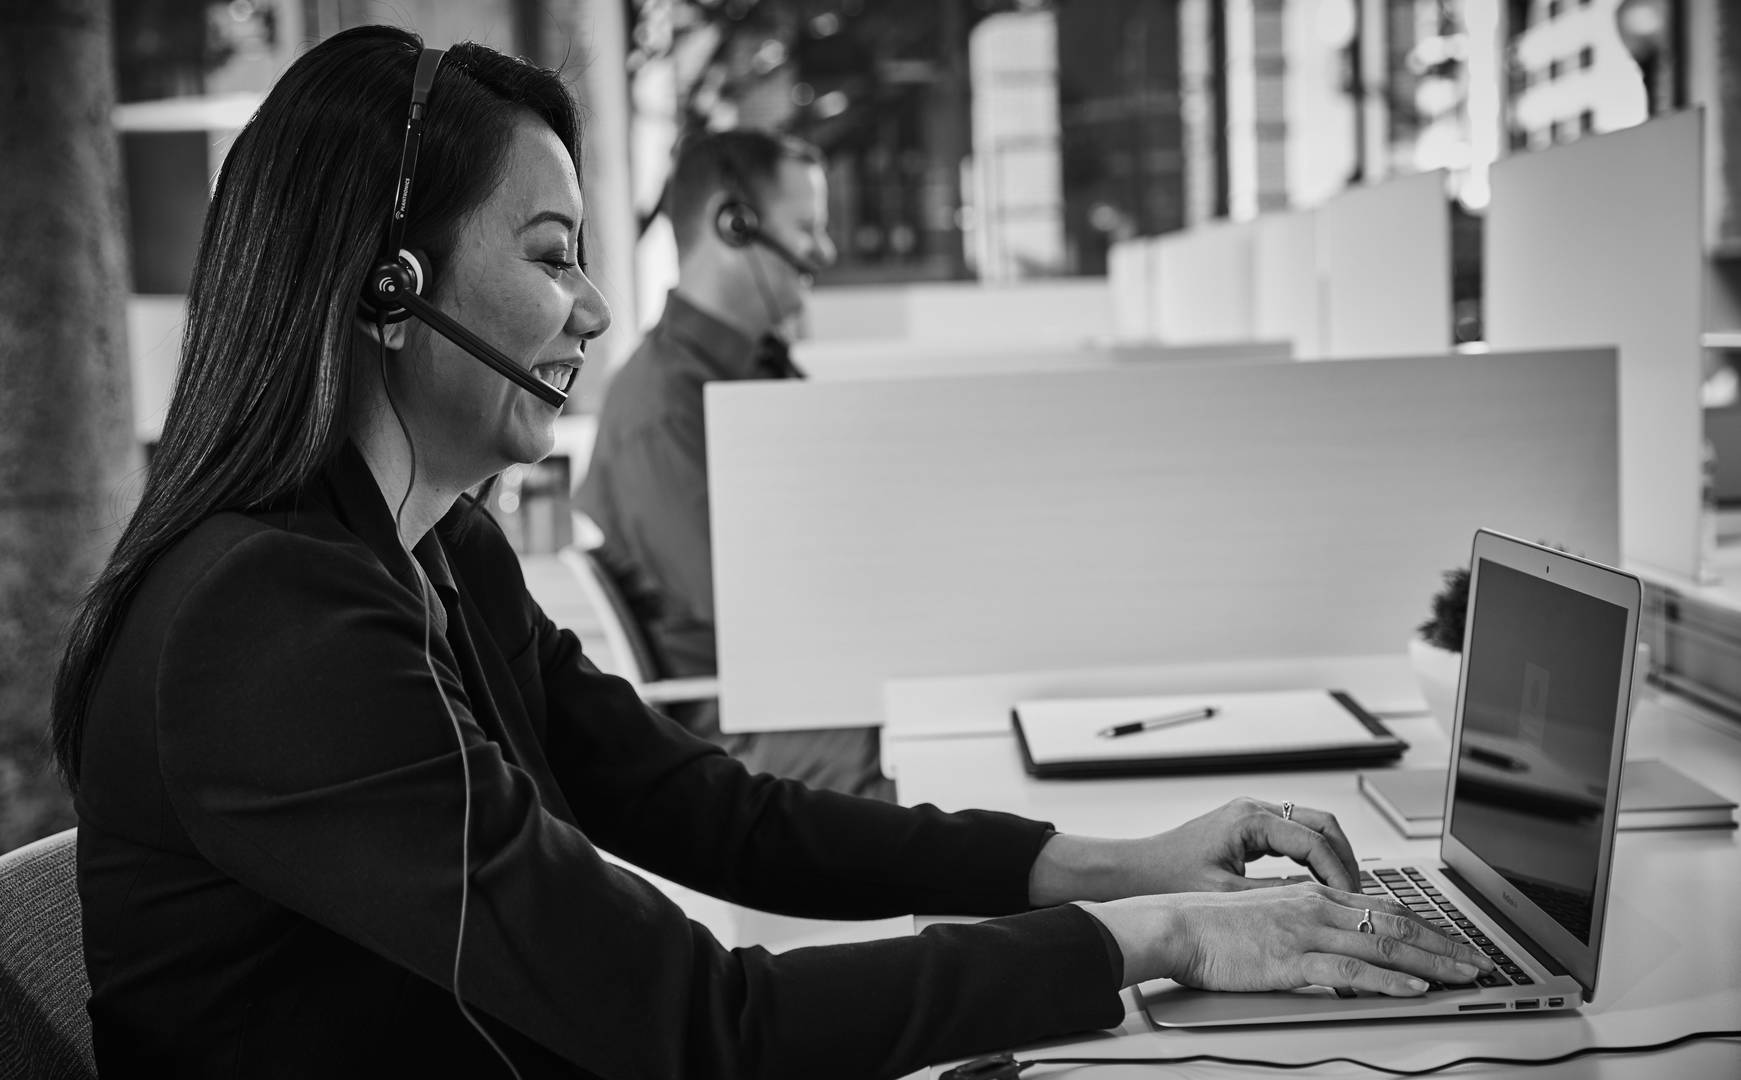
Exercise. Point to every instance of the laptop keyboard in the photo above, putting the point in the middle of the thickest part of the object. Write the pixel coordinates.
(1412, 889)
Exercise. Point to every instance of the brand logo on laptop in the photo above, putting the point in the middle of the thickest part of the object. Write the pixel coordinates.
(1509, 899)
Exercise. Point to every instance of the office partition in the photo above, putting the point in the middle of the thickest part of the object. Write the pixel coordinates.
(1129, 271)
(1203, 285)
(904, 359)
(1385, 251)
(1599, 242)
(1144, 513)
(1288, 304)
(1049, 310)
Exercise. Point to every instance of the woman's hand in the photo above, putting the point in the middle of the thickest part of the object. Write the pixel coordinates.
(1283, 938)
(1209, 853)
(1206, 854)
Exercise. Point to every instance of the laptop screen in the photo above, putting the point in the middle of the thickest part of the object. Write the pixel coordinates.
(1544, 665)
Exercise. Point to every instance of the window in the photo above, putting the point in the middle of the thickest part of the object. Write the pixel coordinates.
(1554, 9)
(1586, 122)
(1587, 57)
(1556, 69)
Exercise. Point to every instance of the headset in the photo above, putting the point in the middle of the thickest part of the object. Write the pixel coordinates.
(392, 293)
(739, 224)
(396, 284)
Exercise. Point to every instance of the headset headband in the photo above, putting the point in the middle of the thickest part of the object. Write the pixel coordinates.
(734, 180)
(427, 65)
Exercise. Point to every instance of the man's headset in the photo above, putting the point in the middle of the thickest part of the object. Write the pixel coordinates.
(394, 289)
(739, 224)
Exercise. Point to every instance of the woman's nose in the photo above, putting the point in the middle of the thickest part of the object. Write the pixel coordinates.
(591, 315)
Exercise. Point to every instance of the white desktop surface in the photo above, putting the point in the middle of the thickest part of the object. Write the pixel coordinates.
(1671, 961)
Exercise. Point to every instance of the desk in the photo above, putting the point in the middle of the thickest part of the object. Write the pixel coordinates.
(1672, 956)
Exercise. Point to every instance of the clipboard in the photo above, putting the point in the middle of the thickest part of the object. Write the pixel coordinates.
(1250, 732)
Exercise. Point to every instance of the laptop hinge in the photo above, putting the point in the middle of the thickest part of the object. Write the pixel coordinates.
(1518, 934)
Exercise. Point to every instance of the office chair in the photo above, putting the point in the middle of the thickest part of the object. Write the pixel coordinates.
(45, 1032)
(634, 657)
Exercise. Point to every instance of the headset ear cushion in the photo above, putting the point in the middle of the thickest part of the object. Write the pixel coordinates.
(418, 263)
(390, 278)
(737, 223)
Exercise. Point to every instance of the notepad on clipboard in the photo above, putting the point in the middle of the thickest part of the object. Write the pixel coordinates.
(1273, 729)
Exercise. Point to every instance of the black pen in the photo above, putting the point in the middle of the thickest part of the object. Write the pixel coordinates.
(1154, 722)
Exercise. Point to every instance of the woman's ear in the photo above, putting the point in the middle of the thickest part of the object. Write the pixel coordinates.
(392, 335)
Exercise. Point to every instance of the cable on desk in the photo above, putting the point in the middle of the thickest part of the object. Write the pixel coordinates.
(1007, 1067)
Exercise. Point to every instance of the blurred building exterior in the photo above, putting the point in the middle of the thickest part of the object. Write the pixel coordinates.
(1167, 112)
(992, 139)
(880, 85)
(1571, 72)
(1122, 106)
(1013, 195)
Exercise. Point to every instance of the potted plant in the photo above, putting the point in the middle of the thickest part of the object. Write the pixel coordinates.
(1436, 651)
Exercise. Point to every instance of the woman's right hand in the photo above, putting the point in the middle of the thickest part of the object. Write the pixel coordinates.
(1281, 939)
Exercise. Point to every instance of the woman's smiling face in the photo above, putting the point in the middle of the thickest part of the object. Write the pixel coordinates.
(515, 278)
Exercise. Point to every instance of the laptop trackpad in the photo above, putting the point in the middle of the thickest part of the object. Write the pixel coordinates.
(1171, 1005)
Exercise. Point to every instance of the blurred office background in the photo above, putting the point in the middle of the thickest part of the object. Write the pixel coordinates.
(981, 144)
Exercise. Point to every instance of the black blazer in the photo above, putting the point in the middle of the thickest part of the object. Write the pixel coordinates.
(270, 843)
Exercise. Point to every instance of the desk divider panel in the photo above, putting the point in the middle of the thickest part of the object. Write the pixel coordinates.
(1385, 251)
(882, 528)
(1290, 288)
(1051, 310)
(1203, 283)
(1128, 273)
(1600, 242)
(832, 360)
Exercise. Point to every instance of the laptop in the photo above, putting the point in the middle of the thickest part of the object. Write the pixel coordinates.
(1531, 805)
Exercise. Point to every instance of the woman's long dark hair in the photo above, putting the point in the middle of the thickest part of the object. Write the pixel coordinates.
(262, 395)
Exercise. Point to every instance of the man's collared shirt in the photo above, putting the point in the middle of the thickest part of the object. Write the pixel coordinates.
(646, 487)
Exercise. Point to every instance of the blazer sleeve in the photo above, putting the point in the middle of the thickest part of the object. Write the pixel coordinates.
(306, 752)
(654, 794)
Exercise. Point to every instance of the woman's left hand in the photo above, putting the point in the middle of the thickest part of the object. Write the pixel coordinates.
(1206, 854)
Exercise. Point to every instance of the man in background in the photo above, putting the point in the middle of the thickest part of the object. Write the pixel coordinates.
(750, 213)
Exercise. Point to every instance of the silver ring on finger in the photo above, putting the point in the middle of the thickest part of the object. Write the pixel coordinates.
(1287, 811)
(1365, 926)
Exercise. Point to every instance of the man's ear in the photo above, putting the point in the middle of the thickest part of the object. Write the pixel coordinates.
(391, 335)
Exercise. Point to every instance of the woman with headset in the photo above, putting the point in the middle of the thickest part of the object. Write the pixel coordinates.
(335, 771)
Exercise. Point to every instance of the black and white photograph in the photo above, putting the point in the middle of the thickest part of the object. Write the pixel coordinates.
(870, 539)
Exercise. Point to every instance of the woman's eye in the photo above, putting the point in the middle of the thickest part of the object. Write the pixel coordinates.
(560, 264)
